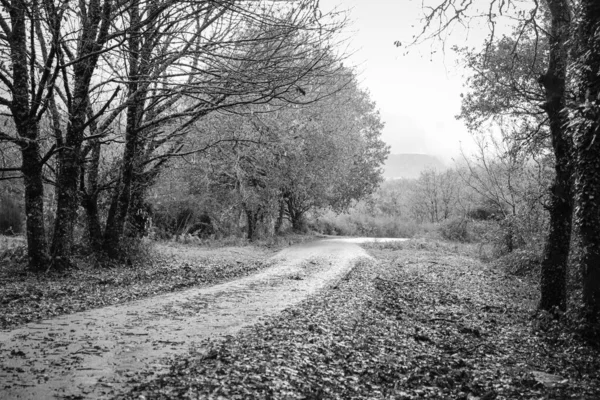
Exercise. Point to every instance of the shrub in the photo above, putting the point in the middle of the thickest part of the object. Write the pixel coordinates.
(454, 230)
(355, 224)
(11, 222)
(521, 262)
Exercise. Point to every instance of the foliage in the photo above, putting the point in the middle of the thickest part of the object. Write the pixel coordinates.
(415, 324)
(455, 230)
(265, 165)
(355, 223)
(521, 262)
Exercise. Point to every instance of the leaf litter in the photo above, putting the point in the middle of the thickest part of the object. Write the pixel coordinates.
(163, 268)
(414, 324)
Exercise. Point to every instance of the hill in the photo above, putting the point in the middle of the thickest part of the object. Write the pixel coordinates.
(410, 165)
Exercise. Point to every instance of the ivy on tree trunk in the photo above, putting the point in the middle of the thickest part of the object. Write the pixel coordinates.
(556, 251)
(587, 161)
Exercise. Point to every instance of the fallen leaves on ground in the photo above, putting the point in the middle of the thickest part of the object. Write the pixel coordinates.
(27, 297)
(414, 324)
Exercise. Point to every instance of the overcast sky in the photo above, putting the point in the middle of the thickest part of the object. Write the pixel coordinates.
(418, 94)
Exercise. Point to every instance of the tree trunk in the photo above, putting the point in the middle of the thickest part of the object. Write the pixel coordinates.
(67, 202)
(296, 216)
(115, 223)
(587, 164)
(139, 213)
(90, 204)
(556, 251)
(24, 115)
(280, 216)
(251, 223)
(90, 187)
(37, 248)
(90, 199)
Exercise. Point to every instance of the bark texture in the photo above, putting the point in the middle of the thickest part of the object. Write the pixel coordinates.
(556, 252)
(24, 112)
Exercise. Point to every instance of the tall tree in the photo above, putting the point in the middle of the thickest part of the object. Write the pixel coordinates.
(554, 81)
(29, 47)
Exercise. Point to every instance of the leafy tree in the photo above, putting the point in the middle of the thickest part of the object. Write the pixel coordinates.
(279, 161)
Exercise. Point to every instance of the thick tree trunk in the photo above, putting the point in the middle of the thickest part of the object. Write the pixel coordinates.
(24, 115)
(587, 164)
(296, 216)
(251, 223)
(67, 202)
(556, 252)
(139, 215)
(37, 248)
(588, 218)
(115, 223)
(90, 204)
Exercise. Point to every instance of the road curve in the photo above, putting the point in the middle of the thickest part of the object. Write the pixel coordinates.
(98, 353)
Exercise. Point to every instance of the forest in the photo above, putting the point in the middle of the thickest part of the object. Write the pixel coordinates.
(137, 134)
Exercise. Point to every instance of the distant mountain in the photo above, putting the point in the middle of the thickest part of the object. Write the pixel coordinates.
(410, 165)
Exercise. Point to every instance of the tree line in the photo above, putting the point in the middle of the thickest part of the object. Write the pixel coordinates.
(100, 97)
(273, 165)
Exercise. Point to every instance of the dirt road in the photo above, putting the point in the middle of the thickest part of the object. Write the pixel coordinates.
(98, 353)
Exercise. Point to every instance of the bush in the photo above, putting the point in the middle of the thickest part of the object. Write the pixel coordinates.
(454, 230)
(11, 221)
(355, 224)
(521, 262)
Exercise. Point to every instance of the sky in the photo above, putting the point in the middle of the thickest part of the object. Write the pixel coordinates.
(418, 93)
